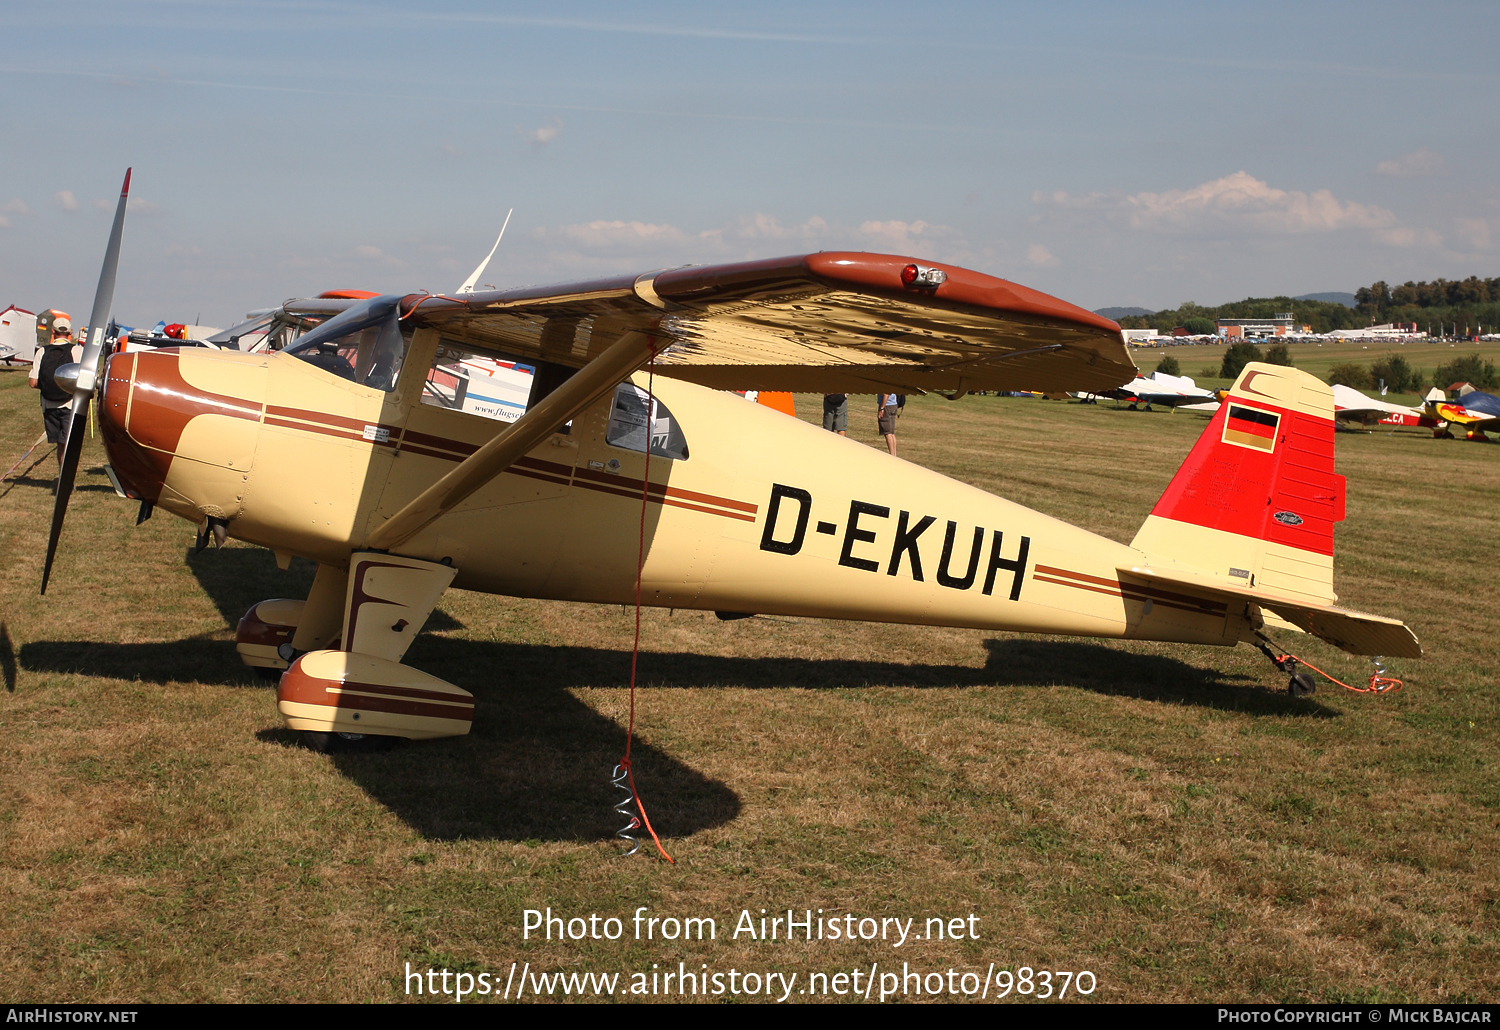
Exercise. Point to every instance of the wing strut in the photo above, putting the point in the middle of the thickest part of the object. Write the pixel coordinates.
(624, 356)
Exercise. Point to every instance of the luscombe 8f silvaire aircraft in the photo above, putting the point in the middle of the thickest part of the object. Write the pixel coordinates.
(351, 448)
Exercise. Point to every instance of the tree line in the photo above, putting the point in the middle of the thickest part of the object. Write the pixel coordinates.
(1445, 305)
(1393, 371)
(1472, 292)
(1322, 316)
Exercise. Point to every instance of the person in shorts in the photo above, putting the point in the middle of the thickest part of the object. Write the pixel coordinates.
(836, 413)
(54, 331)
(886, 408)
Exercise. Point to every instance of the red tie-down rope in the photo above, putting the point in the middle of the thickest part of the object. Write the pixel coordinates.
(1380, 683)
(640, 562)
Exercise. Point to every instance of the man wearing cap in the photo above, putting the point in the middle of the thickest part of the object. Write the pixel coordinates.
(54, 337)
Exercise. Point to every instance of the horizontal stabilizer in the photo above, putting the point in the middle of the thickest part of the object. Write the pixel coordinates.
(1355, 632)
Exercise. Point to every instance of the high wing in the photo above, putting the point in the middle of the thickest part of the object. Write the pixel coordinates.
(822, 323)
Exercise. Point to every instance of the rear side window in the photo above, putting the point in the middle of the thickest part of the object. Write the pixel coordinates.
(629, 426)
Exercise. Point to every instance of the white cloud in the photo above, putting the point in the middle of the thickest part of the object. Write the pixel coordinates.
(364, 250)
(546, 134)
(1478, 232)
(1402, 236)
(4, 222)
(65, 200)
(16, 207)
(617, 233)
(1038, 256)
(1419, 162)
(622, 246)
(1239, 201)
(761, 226)
(896, 233)
(103, 205)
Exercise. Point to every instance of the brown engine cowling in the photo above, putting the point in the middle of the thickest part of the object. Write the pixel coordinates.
(175, 433)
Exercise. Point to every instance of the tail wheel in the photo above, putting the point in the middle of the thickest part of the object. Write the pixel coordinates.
(1301, 685)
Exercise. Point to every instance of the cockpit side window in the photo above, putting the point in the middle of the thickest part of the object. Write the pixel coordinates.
(628, 425)
(478, 383)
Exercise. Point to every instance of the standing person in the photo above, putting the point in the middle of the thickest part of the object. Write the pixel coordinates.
(885, 419)
(836, 413)
(54, 331)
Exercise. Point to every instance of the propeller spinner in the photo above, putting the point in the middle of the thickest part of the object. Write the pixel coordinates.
(83, 389)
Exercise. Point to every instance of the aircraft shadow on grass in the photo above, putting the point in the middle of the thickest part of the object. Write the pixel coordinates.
(535, 766)
(235, 578)
(37, 480)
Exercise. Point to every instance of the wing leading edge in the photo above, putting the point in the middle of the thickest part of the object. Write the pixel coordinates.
(831, 322)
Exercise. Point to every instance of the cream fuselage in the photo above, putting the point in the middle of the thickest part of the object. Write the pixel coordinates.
(767, 514)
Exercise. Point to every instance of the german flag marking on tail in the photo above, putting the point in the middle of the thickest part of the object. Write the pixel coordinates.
(1251, 427)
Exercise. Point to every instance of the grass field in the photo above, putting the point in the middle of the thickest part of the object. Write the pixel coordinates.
(1163, 816)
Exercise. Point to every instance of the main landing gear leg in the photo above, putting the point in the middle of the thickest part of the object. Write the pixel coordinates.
(360, 696)
(273, 633)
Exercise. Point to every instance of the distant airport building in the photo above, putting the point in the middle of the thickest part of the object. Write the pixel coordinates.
(1246, 328)
(1389, 331)
(1139, 337)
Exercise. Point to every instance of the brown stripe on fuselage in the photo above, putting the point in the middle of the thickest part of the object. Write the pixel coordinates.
(441, 442)
(353, 425)
(623, 489)
(1129, 591)
(164, 425)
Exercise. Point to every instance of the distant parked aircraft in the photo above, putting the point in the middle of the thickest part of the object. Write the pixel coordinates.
(1167, 390)
(1475, 412)
(1349, 405)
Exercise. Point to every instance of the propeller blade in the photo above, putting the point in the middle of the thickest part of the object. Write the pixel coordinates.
(104, 296)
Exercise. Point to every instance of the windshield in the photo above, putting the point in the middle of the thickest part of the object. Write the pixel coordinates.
(370, 355)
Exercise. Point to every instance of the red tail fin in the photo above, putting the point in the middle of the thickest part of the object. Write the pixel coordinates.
(1256, 499)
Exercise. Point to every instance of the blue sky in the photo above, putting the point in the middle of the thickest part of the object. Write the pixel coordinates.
(1114, 153)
